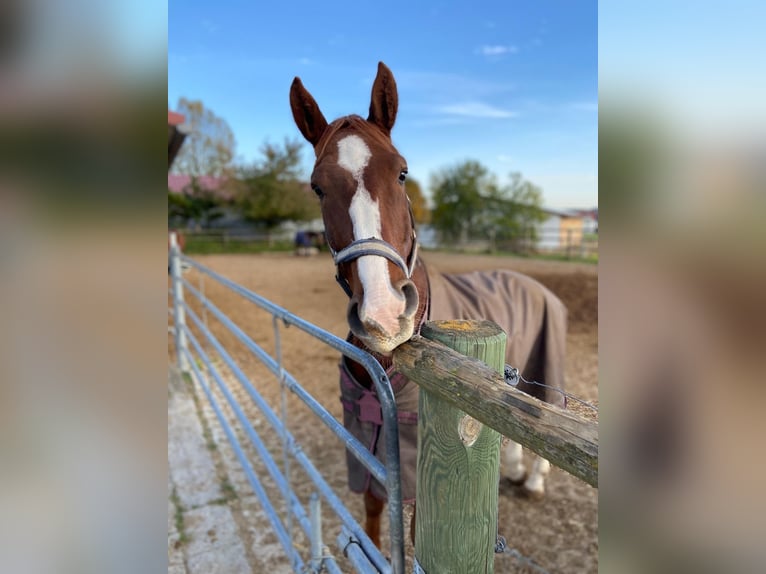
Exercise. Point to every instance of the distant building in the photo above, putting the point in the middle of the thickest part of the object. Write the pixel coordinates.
(560, 229)
(589, 220)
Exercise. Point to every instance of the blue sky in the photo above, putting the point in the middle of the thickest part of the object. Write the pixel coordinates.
(703, 68)
(511, 84)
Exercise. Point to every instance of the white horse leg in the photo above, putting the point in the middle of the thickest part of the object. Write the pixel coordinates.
(534, 486)
(513, 463)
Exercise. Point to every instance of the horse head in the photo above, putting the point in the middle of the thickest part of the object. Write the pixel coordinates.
(359, 178)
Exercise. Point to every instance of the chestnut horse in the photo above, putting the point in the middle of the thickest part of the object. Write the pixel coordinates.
(359, 177)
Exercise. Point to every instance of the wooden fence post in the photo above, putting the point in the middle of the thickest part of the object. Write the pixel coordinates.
(458, 465)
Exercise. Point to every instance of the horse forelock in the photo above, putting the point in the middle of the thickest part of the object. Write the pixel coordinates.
(357, 125)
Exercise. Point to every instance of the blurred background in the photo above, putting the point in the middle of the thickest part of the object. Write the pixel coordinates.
(82, 257)
(682, 195)
(84, 90)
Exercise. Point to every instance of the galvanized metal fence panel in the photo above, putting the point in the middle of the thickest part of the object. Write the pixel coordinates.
(352, 541)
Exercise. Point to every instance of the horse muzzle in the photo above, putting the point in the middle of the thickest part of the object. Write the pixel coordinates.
(383, 324)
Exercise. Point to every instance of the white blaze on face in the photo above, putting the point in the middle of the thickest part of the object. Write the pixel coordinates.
(382, 304)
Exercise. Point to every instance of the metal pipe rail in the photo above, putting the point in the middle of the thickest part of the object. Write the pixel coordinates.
(294, 449)
(364, 555)
(266, 457)
(360, 451)
(382, 386)
(284, 538)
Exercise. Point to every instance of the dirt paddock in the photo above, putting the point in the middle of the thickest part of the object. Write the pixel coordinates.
(559, 533)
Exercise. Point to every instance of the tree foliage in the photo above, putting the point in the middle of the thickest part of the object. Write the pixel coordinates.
(515, 212)
(470, 204)
(195, 204)
(420, 210)
(271, 191)
(178, 207)
(458, 194)
(209, 145)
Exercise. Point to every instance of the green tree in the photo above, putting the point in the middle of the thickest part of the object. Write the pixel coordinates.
(271, 190)
(469, 203)
(420, 210)
(209, 145)
(195, 204)
(458, 193)
(178, 208)
(515, 213)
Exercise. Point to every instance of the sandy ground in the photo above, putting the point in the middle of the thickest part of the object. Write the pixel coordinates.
(559, 533)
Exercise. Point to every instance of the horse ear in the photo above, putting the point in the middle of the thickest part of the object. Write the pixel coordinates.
(306, 113)
(385, 100)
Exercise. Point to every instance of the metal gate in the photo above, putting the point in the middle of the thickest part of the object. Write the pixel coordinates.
(194, 360)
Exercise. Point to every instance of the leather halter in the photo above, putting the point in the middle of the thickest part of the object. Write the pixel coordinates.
(379, 247)
(371, 245)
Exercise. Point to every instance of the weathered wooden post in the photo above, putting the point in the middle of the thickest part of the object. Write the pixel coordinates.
(458, 465)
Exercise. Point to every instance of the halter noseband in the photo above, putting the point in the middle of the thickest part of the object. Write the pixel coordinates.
(379, 247)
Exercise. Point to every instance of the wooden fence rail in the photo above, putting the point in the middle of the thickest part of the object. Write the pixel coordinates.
(566, 440)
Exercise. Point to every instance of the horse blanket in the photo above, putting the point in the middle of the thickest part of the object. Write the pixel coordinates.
(535, 322)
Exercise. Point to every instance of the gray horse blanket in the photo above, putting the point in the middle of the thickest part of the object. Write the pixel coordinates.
(535, 321)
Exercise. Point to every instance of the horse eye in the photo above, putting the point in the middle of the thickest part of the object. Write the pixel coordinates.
(402, 176)
(317, 190)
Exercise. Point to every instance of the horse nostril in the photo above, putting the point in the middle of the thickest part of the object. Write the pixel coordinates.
(410, 292)
(354, 321)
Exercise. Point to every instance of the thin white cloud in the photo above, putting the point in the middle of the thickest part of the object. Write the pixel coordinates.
(533, 106)
(504, 158)
(305, 61)
(496, 50)
(476, 110)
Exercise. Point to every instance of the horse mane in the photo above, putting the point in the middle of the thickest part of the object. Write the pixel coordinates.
(355, 123)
